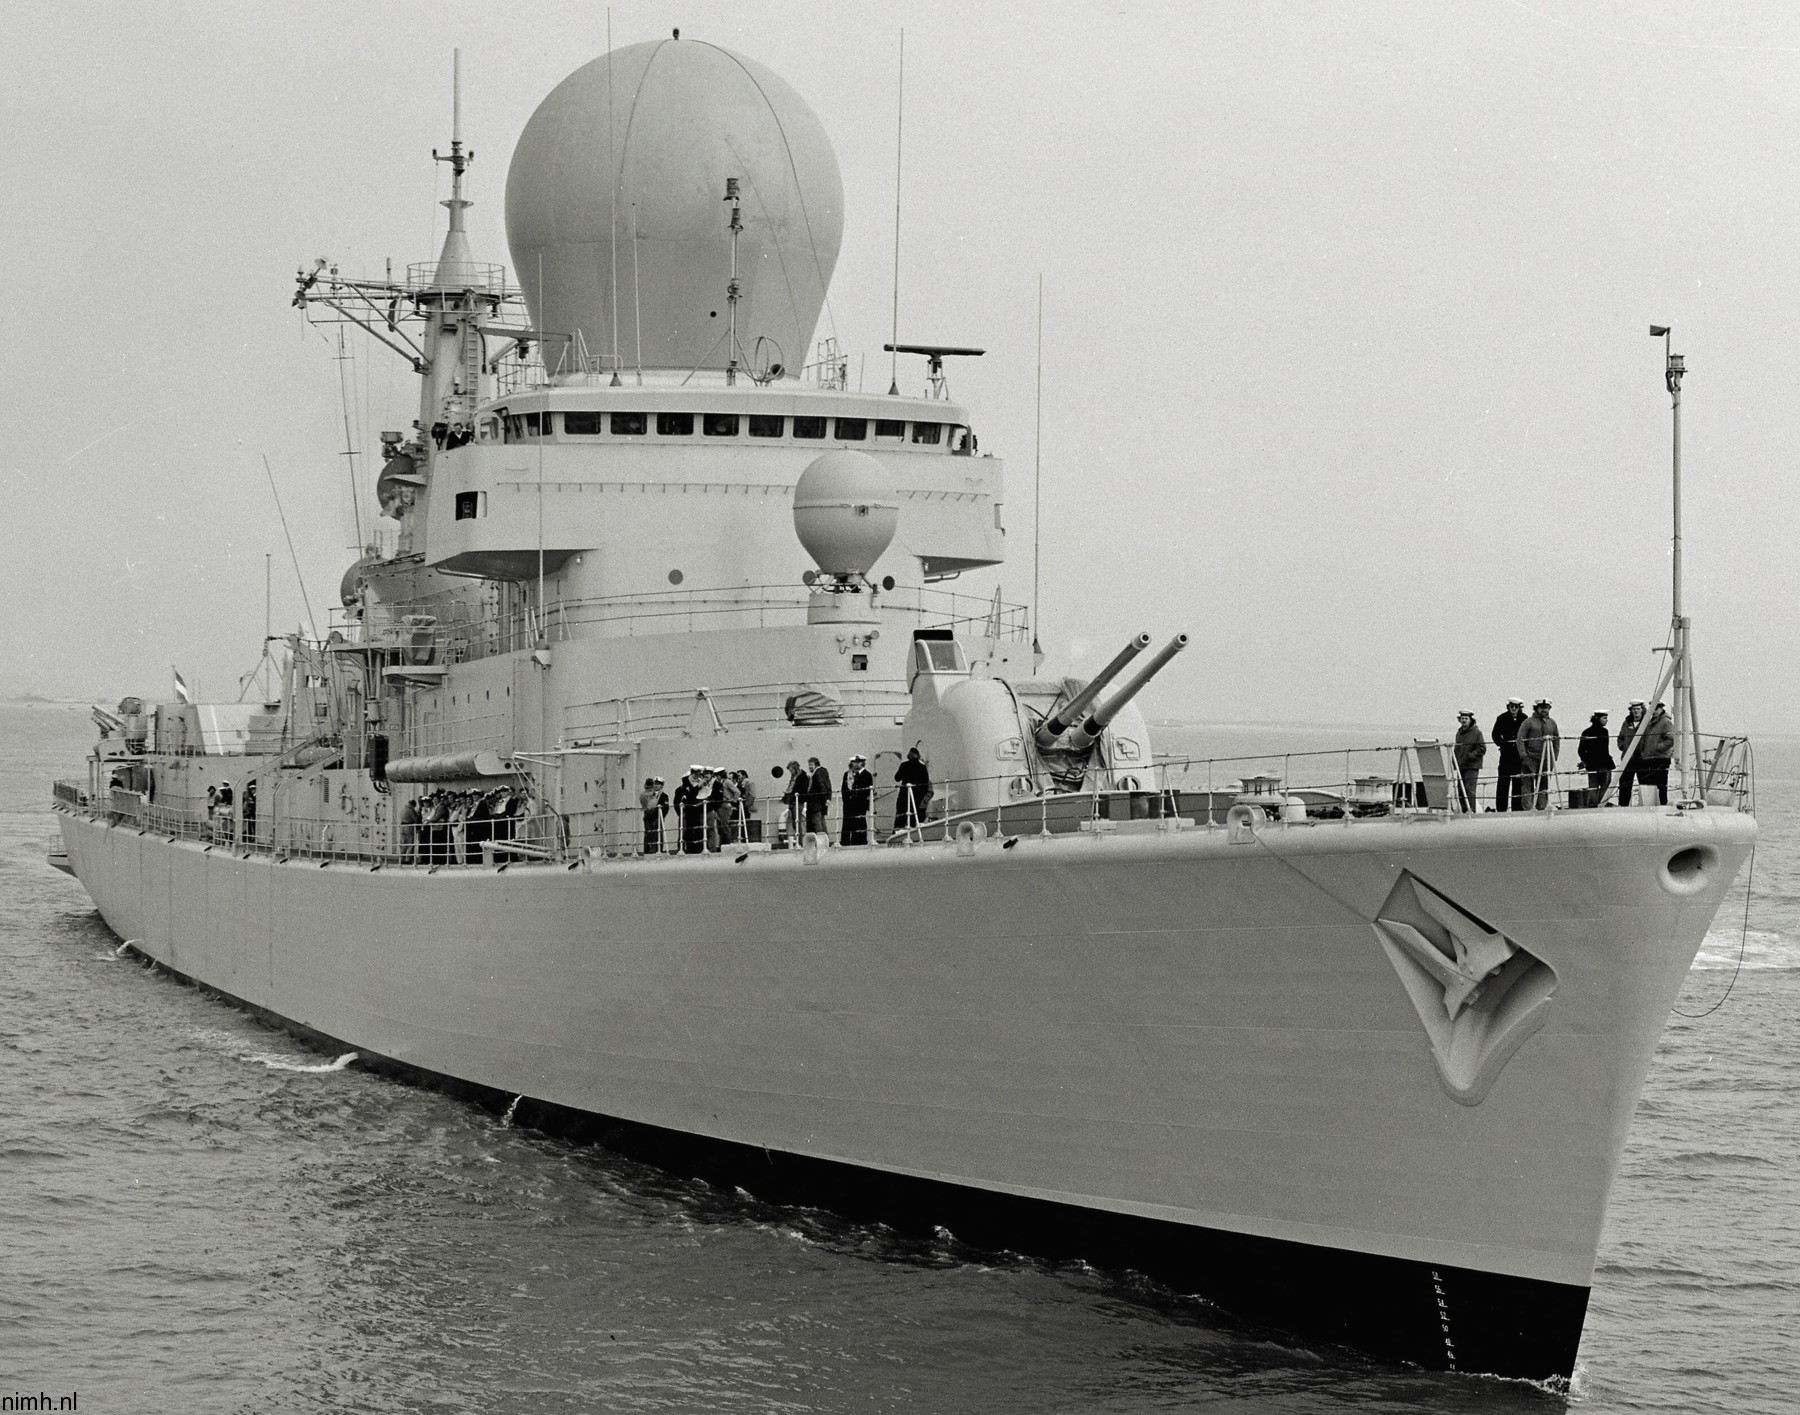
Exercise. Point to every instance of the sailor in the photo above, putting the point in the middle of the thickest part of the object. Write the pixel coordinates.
(480, 826)
(915, 791)
(1508, 793)
(731, 812)
(793, 805)
(432, 811)
(1537, 744)
(212, 813)
(1658, 749)
(518, 805)
(818, 795)
(1471, 751)
(653, 801)
(690, 809)
(224, 820)
(249, 813)
(409, 827)
(746, 804)
(858, 788)
(458, 825)
(1596, 757)
(1628, 731)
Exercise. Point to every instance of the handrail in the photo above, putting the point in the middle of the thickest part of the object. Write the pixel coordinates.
(1308, 789)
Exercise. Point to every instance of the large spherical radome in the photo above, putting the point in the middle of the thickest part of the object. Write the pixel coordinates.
(616, 217)
(845, 512)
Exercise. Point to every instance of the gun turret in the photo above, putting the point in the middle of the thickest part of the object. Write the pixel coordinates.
(1070, 713)
(1090, 731)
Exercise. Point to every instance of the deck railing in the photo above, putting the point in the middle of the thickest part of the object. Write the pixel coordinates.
(1292, 790)
(449, 635)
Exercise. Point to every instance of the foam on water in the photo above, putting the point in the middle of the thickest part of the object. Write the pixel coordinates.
(282, 1063)
(1759, 948)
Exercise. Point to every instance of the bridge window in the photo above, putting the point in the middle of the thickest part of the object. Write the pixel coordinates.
(761, 425)
(581, 424)
(532, 421)
(674, 424)
(928, 433)
(629, 424)
(890, 427)
(962, 440)
(852, 429)
(515, 427)
(470, 505)
(809, 427)
(720, 425)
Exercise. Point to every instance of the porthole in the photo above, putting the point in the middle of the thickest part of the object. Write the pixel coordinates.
(676, 577)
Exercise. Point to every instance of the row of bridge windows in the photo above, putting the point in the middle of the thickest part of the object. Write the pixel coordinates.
(517, 427)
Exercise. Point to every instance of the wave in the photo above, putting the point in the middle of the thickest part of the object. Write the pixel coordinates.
(239, 1048)
(1767, 949)
(282, 1063)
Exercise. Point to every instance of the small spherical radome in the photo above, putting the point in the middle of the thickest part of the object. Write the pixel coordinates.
(645, 258)
(845, 512)
(350, 587)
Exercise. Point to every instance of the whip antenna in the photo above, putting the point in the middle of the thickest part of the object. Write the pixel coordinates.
(276, 493)
(899, 136)
(1037, 483)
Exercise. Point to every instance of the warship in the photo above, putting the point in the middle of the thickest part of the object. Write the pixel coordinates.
(1326, 1045)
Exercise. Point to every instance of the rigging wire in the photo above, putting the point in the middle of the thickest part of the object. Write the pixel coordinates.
(345, 398)
(304, 597)
(1743, 943)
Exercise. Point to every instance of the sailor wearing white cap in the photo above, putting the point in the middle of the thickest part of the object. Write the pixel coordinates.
(690, 807)
(1538, 741)
(1508, 791)
(1471, 751)
(1628, 731)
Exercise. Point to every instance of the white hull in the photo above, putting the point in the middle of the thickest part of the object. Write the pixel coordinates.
(1171, 1026)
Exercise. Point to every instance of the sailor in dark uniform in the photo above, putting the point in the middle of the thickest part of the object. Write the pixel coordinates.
(818, 795)
(690, 807)
(858, 789)
(915, 791)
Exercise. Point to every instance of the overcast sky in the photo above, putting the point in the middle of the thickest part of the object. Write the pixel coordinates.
(1346, 364)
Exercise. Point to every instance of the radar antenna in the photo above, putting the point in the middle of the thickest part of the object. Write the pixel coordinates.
(935, 354)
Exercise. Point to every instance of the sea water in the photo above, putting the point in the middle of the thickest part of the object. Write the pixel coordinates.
(199, 1214)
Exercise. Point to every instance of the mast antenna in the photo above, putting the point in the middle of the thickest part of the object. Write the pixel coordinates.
(1037, 482)
(612, 205)
(731, 289)
(1681, 666)
(899, 137)
(459, 160)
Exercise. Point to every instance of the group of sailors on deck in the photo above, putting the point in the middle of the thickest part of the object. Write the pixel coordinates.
(714, 807)
(451, 827)
(1529, 744)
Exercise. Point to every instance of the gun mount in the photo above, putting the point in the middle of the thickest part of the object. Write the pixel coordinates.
(1070, 713)
(1090, 731)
